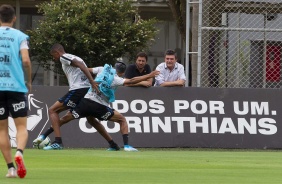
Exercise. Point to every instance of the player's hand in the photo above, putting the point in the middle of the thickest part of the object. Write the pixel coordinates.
(146, 83)
(180, 82)
(95, 86)
(154, 73)
(29, 86)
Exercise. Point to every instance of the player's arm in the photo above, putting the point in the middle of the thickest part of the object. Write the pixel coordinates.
(146, 83)
(26, 67)
(95, 70)
(128, 75)
(90, 70)
(179, 82)
(135, 80)
(85, 70)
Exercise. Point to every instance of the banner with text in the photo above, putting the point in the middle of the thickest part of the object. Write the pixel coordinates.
(171, 117)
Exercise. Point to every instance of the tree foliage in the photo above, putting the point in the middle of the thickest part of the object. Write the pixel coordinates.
(98, 31)
(178, 9)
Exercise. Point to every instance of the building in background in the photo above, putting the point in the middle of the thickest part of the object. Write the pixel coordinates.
(239, 44)
(167, 38)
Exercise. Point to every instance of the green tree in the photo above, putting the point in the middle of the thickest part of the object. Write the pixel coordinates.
(178, 9)
(98, 31)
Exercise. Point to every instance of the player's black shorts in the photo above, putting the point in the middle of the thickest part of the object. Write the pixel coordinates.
(72, 98)
(14, 103)
(88, 107)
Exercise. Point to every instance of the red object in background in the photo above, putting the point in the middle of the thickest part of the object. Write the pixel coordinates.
(273, 58)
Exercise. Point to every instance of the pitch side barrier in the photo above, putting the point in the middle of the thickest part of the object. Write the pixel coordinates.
(173, 117)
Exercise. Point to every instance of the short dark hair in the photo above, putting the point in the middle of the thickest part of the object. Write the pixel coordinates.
(142, 54)
(170, 52)
(120, 67)
(7, 13)
(57, 47)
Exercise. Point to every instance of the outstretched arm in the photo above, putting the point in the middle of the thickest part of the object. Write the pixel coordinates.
(135, 80)
(85, 70)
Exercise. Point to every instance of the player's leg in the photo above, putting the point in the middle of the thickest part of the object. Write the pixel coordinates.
(5, 141)
(97, 125)
(68, 101)
(86, 108)
(91, 108)
(22, 137)
(54, 111)
(101, 129)
(22, 133)
(66, 118)
(63, 120)
(6, 150)
(119, 118)
(17, 104)
(50, 130)
(5, 144)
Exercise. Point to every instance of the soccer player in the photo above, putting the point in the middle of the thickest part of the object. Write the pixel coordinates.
(80, 80)
(96, 104)
(15, 82)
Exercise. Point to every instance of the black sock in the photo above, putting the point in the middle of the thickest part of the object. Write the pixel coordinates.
(48, 132)
(114, 145)
(58, 140)
(20, 151)
(125, 139)
(10, 165)
(111, 142)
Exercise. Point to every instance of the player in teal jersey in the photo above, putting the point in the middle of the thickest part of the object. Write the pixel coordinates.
(15, 82)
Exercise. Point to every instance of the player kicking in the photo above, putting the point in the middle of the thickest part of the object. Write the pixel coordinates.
(96, 104)
(80, 80)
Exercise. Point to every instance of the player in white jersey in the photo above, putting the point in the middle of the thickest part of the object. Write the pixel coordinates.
(80, 80)
(77, 78)
(96, 104)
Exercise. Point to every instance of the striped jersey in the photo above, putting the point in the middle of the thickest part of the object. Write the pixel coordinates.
(76, 78)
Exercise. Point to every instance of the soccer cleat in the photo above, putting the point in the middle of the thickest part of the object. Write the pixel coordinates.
(11, 173)
(37, 141)
(21, 170)
(54, 146)
(113, 147)
(129, 148)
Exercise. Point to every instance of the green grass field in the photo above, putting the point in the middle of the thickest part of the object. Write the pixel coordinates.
(156, 166)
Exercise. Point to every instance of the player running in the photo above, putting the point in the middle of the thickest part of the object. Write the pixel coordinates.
(96, 104)
(80, 80)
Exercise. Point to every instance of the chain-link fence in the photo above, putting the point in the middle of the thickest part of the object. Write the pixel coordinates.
(241, 43)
